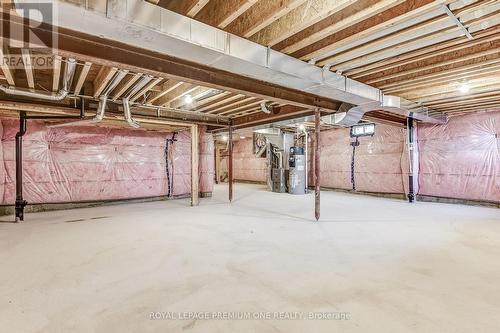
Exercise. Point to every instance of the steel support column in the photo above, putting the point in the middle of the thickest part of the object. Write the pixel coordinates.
(411, 151)
(230, 162)
(317, 152)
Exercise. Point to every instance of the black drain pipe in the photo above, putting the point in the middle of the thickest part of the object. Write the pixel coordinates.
(20, 202)
(169, 180)
(353, 159)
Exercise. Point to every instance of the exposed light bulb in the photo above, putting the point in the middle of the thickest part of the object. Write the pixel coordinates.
(302, 127)
(188, 99)
(464, 88)
(224, 138)
(243, 137)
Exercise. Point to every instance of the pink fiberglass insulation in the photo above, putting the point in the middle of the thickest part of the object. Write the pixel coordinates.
(181, 157)
(246, 165)
(86, 163)
(377, 161)
(335, 161)
(462, 158)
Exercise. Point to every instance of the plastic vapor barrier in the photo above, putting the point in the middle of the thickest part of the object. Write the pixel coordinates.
(462, 158)
(377, 160)
(246, 165)
(89, 163)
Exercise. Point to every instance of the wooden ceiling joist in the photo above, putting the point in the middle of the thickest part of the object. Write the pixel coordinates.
(5, 69)
(196, 93)
(56, 73)
(83, 76)
(28, 68)
(302, 17)
(427, 53)
(220, 13)
(234, 105)
(230, 102)
(145, 89)
(353, 14)
(175, 93)
(165, 88)
(184, 7)
(124, 85)
(103, 77)
(260, 15)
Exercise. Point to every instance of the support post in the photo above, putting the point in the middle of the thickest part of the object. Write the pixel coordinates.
(194, 166)
(411, 158)
(230, 162)
(217, 164)
(317, 152)
(20, 202)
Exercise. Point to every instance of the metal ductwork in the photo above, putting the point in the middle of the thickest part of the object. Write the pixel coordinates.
(349, 115)
(126, 100)
(181, 37)
(103, 99)
(265, 106)
(69, 73)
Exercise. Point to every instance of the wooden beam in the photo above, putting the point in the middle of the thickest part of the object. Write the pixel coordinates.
(5, 68)
(56, 73)
(219, 13)
(103, 77)
(82, 77)
(195, 172)
(305, 15)
(28, 68)
(86, 47)
(184, 7)
(260, 15)
(65, 111)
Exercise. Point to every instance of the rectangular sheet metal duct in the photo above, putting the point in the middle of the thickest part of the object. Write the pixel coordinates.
(141, 24)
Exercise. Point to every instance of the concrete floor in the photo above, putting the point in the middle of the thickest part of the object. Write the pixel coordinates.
(394, 267)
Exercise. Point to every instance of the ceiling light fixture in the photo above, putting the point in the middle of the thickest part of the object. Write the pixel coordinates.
(464, 88)
(188, 99)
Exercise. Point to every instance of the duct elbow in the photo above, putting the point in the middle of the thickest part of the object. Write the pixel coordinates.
(265, 107)
(59, 96)
(128, 114)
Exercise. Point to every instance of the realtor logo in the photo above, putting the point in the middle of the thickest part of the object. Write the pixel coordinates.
(22, 26)
(28, 33)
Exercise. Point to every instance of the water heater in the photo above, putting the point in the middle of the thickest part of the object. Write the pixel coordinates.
(297, 171)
